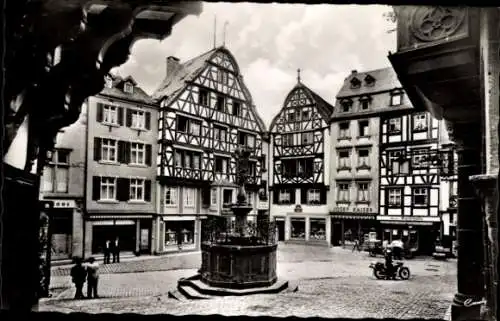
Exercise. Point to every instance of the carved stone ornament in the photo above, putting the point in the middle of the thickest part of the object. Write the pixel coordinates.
(436, 23)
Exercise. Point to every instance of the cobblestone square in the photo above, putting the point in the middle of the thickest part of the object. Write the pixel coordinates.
(333, 282)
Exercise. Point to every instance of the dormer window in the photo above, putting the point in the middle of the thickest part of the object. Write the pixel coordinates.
(369, 80)
(396, 98)
(346, 105)
(128, 88)
(355, 83)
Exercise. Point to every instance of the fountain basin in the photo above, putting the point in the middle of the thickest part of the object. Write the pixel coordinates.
(238, 266)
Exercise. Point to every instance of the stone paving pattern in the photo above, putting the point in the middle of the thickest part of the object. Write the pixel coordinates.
(332, 283)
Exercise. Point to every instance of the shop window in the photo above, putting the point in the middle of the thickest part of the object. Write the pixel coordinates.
(179, 233)
(298, 228)
(317, 229)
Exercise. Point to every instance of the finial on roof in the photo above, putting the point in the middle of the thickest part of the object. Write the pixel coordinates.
(298, 75)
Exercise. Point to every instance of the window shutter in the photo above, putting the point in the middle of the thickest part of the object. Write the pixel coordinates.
(96, 188)
(121, 151)
(129, 118)
(303, 195)
(126, 152)
(275, 197)
(97, 149)
(148, 154)
(322, 196)
(120, 116)
(147, 190)
(148, 120)
(99, 112)
(123, 189)
(292, 195)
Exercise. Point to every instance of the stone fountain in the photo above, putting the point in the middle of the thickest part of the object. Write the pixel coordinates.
(239, 260)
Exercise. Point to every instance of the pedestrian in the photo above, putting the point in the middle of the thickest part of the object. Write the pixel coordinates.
(116, 251)
(107, 252)
(356, 245)
(179, 239)
(92, 278)
(78, 276)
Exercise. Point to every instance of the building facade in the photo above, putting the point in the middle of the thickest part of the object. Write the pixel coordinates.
(206, 113)
(299, 167)
(355, 135)
(120, 167)
(62, 183)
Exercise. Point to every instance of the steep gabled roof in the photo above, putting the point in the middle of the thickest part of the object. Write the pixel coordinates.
(385, 80)
(324, 108)
(116, 90)
(173, 85)
(187, 71)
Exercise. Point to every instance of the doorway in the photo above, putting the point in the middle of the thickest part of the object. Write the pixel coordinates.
(281, 230)
(336, 233)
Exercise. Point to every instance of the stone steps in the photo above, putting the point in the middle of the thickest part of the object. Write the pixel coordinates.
(193, 288)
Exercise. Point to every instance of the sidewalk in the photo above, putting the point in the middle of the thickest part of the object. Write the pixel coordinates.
(130, 264)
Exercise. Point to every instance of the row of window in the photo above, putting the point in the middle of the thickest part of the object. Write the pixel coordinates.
(346, 105)
(114, 115)
(191, 159)
(303, 167)
(298, 139)
(172, 196)
(310, 196)
(420, 159)
(420, 196)
(220, 103)
(362, 192)
(344, 158)
(420, 123)
(118, 151)
(293, 115)
(106, 188)
(219, 133)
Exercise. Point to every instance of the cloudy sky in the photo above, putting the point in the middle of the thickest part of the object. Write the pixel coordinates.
(270, 41)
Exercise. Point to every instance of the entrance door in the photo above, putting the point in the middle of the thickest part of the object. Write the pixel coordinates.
(336, 233)
(281, 230)
(126, 234)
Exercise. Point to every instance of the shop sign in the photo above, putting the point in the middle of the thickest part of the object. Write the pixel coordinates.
(64, 203)
(353, 210)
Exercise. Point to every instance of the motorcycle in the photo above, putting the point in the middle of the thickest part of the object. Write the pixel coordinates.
(398, 269)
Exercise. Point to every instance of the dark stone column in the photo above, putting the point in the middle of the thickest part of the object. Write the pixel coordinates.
(469, 224)
(19, 266)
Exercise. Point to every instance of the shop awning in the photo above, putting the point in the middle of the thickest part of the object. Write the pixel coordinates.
(353, 216)
(408, 223)
(119, 217)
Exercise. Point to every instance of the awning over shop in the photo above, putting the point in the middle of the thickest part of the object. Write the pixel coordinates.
(353, 216)
(408, 223)
(119, 217)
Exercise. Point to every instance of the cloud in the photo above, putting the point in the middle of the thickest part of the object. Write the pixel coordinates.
(270, 41)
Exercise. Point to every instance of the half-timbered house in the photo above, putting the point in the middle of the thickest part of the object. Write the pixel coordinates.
(206, 112)
(409, 175)
(299, 167)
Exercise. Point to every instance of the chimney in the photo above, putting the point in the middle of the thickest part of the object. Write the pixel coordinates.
(173, 66)
(353, 72)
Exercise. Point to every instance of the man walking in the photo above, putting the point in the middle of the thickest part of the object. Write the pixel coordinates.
(78, 276)
(116, 251)
(356, 245)
(107, 252)
(92, 278)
